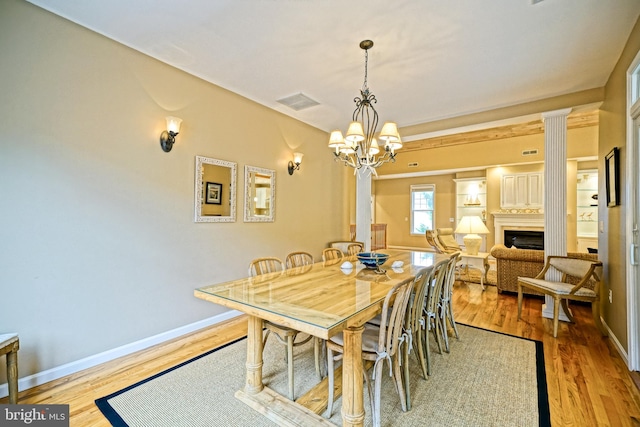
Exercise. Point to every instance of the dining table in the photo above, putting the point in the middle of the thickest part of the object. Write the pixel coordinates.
(321, 299)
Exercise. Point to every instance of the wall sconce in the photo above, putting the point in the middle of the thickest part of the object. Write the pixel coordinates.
(168, 137)
(295, 164)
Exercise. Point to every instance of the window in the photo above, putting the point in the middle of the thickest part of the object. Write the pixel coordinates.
(422, 208)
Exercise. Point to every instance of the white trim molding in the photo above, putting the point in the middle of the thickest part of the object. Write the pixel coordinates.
(40, 378)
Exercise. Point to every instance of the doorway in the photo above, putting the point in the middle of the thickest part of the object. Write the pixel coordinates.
(633, 214)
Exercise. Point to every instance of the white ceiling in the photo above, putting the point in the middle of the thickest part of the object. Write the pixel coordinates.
(432, 59)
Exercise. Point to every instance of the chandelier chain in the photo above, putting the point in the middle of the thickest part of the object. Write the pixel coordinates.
(365, 88)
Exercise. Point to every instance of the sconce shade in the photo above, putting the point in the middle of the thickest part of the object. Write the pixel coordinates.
(295, 164)
(168, 137)
(471, 226)
(173, 125)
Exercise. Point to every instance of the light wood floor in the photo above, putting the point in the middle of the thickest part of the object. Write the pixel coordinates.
(588, 383)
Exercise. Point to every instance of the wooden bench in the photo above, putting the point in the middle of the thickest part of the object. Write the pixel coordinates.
(9, 345)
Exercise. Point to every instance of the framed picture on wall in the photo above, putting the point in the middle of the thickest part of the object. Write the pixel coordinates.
(612, 177)
(213, 194)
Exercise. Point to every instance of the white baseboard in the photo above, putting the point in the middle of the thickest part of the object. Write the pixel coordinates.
(616, 343)
(40, 378)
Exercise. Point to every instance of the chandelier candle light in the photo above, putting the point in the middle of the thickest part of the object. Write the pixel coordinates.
(360, 149)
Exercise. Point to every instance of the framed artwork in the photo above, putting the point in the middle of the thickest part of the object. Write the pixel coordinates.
(213, 195)
(612, 177)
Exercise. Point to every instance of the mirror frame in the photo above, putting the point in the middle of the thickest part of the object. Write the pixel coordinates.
(248, 216)
(200, 162)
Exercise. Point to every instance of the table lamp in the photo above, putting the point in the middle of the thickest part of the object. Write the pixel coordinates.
(471, 226)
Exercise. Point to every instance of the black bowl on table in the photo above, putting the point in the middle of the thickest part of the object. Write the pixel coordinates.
(372, 259)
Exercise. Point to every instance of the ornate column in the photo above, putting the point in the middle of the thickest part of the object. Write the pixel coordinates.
(363, 209)
(555, 193)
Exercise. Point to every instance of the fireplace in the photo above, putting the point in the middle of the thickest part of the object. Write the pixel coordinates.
(509, 220)
(524, 239)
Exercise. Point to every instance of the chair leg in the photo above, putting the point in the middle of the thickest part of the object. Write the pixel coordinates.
(398, 378)
(290, 364)
(451, 320)
(426, 345)
(437, 333)
(443, 326)
(377, 391)
(519, 301)
(405, 372)
(330, 373)
(318, 345)
(565, 308)
(556, 314)
(419, 352)
(264, 340)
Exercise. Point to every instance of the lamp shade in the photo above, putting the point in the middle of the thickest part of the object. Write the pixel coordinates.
(389, 132)
(297, 158)
(471, 225)
(355, 133)
(173, 124)
(336, 140)
(375, 148)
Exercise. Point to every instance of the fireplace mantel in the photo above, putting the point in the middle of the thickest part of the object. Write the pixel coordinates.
(518, 219)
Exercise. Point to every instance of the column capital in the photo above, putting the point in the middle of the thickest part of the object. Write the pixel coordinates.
(556, 113)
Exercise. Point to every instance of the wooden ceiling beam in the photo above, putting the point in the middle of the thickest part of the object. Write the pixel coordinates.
(575, 120)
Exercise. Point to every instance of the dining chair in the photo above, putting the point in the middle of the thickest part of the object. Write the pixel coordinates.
(265, 265)
(430, 323)
(589, 283)
(355, 248)
(332, 255)
(379, 343)
(412, 328)
(298, 259)
(445, 305)
(283, 334)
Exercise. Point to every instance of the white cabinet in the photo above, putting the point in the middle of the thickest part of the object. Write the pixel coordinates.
(522, 191)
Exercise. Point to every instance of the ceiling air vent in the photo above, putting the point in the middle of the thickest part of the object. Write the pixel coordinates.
(530, 152)
(413, 165)
(298, 102)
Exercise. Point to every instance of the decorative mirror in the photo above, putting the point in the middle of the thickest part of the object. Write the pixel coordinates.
(215, 190)
(259, 194)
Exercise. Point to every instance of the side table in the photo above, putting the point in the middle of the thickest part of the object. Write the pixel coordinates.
(9, 345)
(479, 262)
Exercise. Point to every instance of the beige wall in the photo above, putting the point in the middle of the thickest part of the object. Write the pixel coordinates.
(612, 243)
(99, 246)
(392, 195)
(393, 207)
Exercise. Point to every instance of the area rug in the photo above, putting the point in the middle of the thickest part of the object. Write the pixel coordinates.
(488, 379)
(473, 276)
